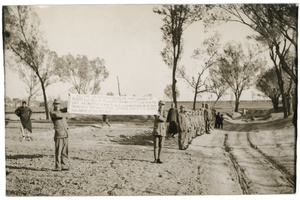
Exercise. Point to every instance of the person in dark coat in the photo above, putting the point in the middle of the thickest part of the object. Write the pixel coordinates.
(221, 121)
(159, 132)
(218, 120)
(105, 120)
(61, 128)
(24, 112)
(172, 118)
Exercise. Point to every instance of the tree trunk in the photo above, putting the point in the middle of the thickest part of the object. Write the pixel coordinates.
(281, 87)
(284, 105)
(195, 99)
(295, 106)
(237, 102)
(174, 82)
(236, 109)
(45, 99)
(29, 99)
(289, 104)
(216, 100)
(275, 101)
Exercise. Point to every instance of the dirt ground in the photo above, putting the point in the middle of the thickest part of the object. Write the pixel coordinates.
(242, 158)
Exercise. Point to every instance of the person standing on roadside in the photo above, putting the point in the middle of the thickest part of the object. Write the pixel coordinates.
(182, 128)
(61, 128)
(24, 112)
(218, 121)
(207, 118)
(172, 118)
(221, 121)
(159, 132)
(105, 120)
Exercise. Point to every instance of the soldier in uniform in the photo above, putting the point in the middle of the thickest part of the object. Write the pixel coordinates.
(24, 112)
(159, 132)
(60, 136)
(198, 122)
(201, 121)
(188, 130)
(207, 118)
(182, 127)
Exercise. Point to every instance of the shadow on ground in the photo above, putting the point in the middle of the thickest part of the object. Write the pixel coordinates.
(252, 126)
(22, 156)
(145, 139)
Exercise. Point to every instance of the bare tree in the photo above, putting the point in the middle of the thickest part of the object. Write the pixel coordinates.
(216, 85)
(176, 19)
(28, 76)
(23, 37)
(208, 54)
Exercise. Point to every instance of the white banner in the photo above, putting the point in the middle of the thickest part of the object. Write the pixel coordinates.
(111, 105)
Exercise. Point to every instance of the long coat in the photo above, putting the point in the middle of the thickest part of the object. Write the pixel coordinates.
(159, 128)
(60, 124)
(182, 122)
(24, 113)
(173, 119)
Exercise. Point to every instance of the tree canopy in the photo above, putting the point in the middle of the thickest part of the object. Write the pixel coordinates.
(85, 75)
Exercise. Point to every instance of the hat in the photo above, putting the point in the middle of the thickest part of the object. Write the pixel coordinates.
(162, 102)
(23, 102)
(57, 101)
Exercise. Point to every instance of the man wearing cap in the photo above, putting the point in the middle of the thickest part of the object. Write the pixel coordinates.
(25, 113)
(159, 132)
(182, 128)
(60, 136)
(207, 118)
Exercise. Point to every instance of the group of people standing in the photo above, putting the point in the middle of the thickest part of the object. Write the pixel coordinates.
(187, 124)
(219, 121)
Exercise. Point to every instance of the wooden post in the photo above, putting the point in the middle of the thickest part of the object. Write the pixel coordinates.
(118, 86)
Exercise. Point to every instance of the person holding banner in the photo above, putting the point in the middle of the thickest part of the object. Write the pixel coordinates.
(60, 136)
(159, 132)
(24, 112)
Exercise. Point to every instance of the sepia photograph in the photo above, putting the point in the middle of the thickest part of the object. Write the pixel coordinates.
(162, 99)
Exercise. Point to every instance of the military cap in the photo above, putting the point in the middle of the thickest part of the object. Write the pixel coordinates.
(162, 102)
(57, 101)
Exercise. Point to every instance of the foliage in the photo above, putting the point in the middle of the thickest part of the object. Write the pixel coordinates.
(216, 85)
(237, 68)
(23, 37)
(267, 83)
(208, 54)
(168, 91)
(176, 19)
(85, 75)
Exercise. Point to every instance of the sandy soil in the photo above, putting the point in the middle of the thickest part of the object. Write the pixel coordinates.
(242, 158)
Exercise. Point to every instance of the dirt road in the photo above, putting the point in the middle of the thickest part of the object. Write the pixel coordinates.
(240, 159)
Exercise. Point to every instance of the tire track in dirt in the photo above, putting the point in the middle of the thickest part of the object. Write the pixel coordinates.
(215, 173)
(289, 177)
(256, 173)
(239, 171)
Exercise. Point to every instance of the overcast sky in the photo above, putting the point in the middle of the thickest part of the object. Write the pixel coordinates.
(129, 39)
